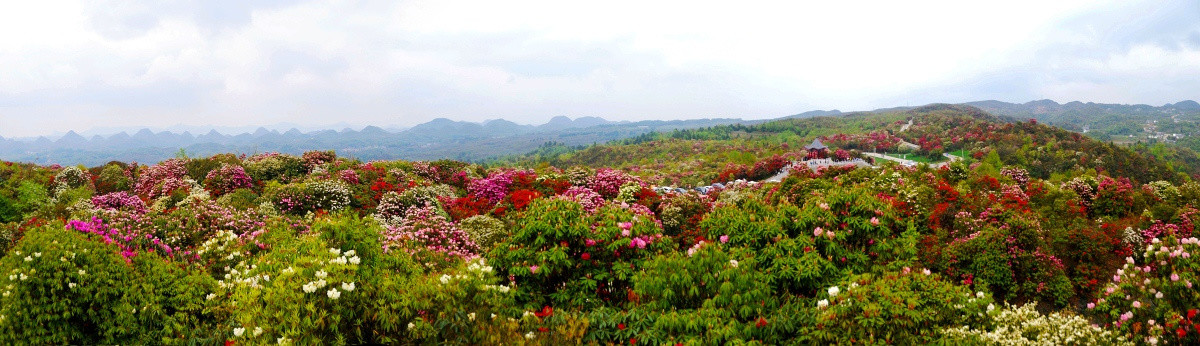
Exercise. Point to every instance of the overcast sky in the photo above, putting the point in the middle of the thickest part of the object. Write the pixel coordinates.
(85, 64)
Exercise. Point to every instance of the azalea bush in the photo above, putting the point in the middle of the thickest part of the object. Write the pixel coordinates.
(1023, 324)
(904, 307)
(1151, 297)
(56, 278)
(226, 179)
(559, 255)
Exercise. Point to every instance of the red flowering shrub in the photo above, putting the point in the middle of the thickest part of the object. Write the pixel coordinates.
(465, 207)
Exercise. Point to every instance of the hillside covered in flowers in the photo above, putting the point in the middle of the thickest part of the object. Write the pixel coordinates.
(1036, 234)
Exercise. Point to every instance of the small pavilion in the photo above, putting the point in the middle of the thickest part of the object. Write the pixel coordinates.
(817, 150)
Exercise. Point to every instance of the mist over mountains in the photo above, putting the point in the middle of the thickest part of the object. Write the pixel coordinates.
(436, 139)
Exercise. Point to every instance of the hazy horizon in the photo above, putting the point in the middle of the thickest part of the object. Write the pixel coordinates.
(79, 65)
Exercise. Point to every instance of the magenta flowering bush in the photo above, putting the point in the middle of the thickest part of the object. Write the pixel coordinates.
(494, 187)
(429, 237)
(181, 230)
(131, 242)
(226, 179)
(120, 200)
(61, 286)
(162, 179)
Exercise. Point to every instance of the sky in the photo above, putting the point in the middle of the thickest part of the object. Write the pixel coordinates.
(80, 65)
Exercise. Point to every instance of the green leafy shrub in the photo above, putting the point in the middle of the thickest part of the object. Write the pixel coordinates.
(896, 308)
(484, 230)
(113, 178)
(274, 166)
(81, 291)
(560, 255)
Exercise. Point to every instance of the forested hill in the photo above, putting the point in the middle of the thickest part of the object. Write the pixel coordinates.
(1118, 122)
(696, 155)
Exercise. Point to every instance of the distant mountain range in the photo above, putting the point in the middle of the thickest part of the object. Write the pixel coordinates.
(1101, 118)
(469, 141)
(436, 139)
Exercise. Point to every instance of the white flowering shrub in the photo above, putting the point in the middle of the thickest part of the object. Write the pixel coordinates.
(335, 285)
(72, 178)
(1023, 325)
(329, 195)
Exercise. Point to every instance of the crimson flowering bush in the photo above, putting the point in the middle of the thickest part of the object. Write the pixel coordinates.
(1006, 252)
(1114, 197)
(114, 177)
(226, 179)
(462, 207)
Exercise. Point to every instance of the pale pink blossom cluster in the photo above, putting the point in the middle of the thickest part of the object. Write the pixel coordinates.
(423, 228)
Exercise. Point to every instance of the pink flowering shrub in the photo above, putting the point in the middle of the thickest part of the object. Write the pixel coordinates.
(608, 182)
(162, 179)
(314, 159)
(590, 200)
(349, 176)
(118, 201)
(1084, 187)
(1152, 296)
(226, 179)
(430, 238)
(1017, 174)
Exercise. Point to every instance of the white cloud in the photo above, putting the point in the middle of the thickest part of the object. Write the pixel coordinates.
(74, 65)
